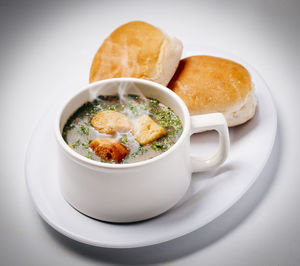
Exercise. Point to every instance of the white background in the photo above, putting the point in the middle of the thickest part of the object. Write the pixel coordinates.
(46, 49)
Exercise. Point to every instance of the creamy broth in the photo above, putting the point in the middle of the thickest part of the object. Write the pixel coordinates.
(78, 131)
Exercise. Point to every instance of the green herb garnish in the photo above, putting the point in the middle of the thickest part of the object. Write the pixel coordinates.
(89, 155)
(76, 144)
(83, 130)
(133, 109)
(124, 139)
(133, 96)
(141, 150)
(112, 107)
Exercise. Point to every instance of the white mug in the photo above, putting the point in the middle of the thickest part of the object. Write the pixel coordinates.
(138, 191)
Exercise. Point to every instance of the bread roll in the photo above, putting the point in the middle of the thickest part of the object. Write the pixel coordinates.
(210, 84)
(137, 49)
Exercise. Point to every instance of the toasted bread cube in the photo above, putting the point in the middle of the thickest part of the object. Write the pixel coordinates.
(109, 149)
(145, 130)
(109, 122)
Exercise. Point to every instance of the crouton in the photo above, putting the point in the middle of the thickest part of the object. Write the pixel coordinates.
(145, 130)
(109, 149)
(109, 122)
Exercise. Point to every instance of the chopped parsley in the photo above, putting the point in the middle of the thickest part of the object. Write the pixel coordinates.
(141, 150)
(133, 108)
(76, 144)
(83, 130)
(124, 139)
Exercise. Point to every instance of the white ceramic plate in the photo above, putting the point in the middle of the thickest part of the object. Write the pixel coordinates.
(209, 195)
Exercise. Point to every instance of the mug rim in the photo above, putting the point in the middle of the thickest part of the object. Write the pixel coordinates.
(92, 163)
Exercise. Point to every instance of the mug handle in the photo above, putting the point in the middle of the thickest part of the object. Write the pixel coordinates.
(214, 121)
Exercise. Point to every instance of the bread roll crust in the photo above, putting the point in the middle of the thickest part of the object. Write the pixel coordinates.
(210, 84)
(137, 49)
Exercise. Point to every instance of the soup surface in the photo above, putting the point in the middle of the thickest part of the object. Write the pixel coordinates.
(150, 129)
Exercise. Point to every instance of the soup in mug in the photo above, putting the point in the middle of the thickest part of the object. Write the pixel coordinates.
(121, 130)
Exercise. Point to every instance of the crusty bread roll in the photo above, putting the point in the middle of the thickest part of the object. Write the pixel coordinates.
(137, 49)
(210, 84)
